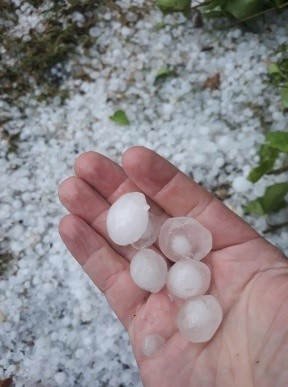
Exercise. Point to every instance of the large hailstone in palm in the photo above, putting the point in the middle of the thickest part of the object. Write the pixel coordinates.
(184, 237)
(199, 318)
(128, 218)
(188, 278)
(151, 233)
(149, 270)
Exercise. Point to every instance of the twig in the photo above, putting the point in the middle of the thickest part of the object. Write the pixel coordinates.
(256, 15)
(278, 171)
(275, 227)
(199, 5)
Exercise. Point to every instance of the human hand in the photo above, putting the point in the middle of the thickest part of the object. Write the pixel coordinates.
(249, 276)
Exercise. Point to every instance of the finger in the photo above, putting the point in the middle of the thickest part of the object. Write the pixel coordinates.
(101, 173)
(109, 181)
(178, 195)
(107, 177)
(106, 268)
(82, 200)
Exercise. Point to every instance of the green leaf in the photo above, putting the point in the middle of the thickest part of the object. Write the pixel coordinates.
(254, 207)
(278, 3)
(214, 4)
(164, 73)
(213, 14)
(273, 68)
(174, 5)
(256, 173)
(120, 118)
(214, 8)
(242, 9)
(284, 96)
(283, 48)
(267, 152)
(272, 201)
(278, 140)
(268, 156)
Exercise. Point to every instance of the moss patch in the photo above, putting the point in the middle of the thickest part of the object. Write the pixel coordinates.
(37, 57)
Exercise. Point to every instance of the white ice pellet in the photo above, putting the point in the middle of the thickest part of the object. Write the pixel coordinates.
(150, 235)
(60, 378)
(241, 184)
(184, 237)
(94, 32)
(188, 278)
(128, 218)
(149, 270)
(199, 318)
(152, 343)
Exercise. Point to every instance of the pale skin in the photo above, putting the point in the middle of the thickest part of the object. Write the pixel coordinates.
(250, 276)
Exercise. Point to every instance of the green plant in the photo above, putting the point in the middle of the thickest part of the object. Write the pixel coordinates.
(120, 118)
(273, 200)
(167, 6)
(279, 74)
(241, 10)
(164, 73)
(275, 148)
(35, 55)
(276, 145)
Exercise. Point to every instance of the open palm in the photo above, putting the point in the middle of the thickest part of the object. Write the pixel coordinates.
(250, 276)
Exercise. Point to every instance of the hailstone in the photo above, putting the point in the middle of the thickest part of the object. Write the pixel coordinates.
(149, 270)
(151, 233)
(128, 218)
(188, 278)
(152, 343)
(184, 237)
(199, 318)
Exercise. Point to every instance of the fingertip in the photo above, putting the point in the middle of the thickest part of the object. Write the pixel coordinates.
(134, 153)
(67, 226)
(84, 161)
(61, 189)
(67, 189)
(149, 171)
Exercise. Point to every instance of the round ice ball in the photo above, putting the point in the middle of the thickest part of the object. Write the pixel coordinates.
(128, 218)
(188, 278)
(151, 233)
(149, 270)
(184, 237)
(199, 318)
